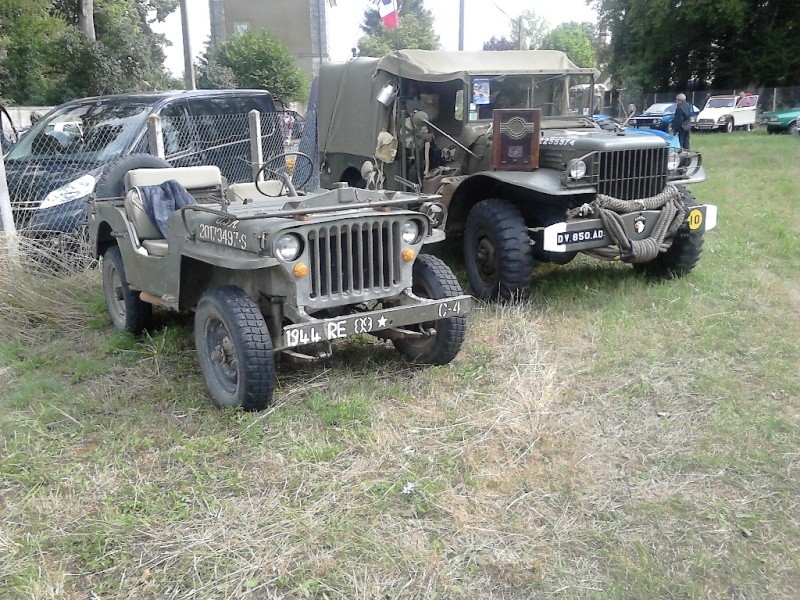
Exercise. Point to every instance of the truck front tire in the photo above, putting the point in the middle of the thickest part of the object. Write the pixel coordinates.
(434, 280)
(682, 256)
(128, 312)
(497, 251)
(234, 349)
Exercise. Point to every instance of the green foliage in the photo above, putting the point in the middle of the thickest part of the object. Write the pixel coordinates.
(499, 44)
(45, 59)
(667, 44)
(415, 31)
(253, 59)
(576, 40)
(528, 28)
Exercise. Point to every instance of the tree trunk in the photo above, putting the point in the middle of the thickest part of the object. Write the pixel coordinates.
(86, 19)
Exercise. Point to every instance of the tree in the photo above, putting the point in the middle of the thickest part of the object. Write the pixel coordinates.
(576, 40)
(47, 58)
(253, 59)
(499, 44)
(415, 30)
(528, 30)
(726, 44)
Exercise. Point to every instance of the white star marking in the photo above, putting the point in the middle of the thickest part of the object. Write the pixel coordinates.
(382, 321)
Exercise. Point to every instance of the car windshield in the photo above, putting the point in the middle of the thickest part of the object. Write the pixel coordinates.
(85, 132)
(555, 95)
(720, 102)
(661, 108)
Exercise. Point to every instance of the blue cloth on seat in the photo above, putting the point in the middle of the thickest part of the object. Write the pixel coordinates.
(160, 201)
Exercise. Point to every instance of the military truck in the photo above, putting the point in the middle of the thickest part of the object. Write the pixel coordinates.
(525, 171)
(270, 272)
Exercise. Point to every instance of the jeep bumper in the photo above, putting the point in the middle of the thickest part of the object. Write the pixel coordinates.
(583, 234)
(323, 330)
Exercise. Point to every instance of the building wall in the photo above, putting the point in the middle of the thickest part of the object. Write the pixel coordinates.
(300, 24)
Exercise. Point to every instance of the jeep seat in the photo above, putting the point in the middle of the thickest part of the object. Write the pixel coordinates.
(192, 178)
(247, 191)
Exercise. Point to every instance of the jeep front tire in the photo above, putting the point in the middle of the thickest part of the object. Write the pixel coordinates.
(434, 280)
(128, 312)
(234, 349)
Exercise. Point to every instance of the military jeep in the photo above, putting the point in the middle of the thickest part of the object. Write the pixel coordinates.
(509, 141)
(271, 272)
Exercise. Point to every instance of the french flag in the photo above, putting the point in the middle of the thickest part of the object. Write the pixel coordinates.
(388, 12)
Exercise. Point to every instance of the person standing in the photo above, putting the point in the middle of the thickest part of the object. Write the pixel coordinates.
(682, 123)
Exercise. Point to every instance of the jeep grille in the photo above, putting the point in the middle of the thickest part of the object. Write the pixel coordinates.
(354, 259)
(632, 174)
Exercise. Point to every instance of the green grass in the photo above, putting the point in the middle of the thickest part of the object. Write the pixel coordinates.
(610, 437)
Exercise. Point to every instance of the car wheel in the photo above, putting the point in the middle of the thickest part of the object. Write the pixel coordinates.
(728, 126)
(128, 312)
(433, 279)
(234, 349)
(682, 255)
(497, 250)
(111, 183)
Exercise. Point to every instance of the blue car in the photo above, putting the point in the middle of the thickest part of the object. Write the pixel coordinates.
(659, 116)
(610, 123)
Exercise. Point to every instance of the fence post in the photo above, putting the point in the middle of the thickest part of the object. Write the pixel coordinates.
(155, 136)
(256, 151)
(774, 98)
(6, 216)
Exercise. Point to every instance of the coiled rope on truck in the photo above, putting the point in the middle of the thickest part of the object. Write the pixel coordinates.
(609, 210)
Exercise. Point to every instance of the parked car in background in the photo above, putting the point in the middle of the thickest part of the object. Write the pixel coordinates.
(659, 116)
(782, 121)
(726, 113)
(56, 166)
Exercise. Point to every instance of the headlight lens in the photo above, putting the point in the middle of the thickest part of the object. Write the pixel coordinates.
(81, 187)
(656, 121)
(288, 247)
(409, 232)
(577, 169)
(674, 160)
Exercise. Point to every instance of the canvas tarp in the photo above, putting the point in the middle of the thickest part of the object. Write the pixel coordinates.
(350, 117)
(434, 65)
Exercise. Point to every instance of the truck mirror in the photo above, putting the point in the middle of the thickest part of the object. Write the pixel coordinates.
(387, 94)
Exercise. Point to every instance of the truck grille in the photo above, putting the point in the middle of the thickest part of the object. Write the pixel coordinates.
(354, 259)
(632, 174)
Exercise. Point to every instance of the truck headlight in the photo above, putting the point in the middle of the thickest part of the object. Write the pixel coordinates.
(673, 160)
(409, 232)
(288, 247)
(74, 190)
(576, 169)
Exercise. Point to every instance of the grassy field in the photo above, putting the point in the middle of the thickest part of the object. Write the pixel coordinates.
(610, 437)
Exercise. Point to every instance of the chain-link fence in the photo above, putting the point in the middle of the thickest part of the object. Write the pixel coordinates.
(55, 168)
(617, 103)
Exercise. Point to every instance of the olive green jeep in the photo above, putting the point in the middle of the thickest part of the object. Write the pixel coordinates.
(269, 271)
(512, 142)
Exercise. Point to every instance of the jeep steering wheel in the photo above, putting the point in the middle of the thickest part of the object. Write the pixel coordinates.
(275, 168)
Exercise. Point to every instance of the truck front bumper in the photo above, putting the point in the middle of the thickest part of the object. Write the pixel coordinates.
(584, 234)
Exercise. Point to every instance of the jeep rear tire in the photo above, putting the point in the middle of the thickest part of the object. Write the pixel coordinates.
(111, 183)
(234, 349)
(128, 312)
(497, 251)
(434, 280)
(682, 256)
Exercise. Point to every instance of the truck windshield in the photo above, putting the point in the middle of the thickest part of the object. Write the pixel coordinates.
(555, 95)
(89, 132)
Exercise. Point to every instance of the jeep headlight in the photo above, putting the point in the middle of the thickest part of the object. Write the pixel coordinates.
(576, 169)
(288, 247)
(74, 190)
(409, 232)
(673, 160)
